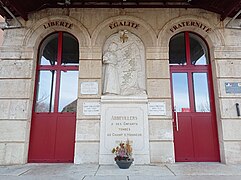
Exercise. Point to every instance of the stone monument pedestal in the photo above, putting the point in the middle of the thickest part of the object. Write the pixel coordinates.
(122, 118)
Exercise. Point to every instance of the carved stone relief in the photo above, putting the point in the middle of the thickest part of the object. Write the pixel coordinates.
(124, 65)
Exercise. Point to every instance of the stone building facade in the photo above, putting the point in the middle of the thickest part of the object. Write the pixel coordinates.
(92, 27)
(1, 32)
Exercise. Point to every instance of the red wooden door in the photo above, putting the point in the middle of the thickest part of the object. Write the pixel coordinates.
(195, 129)
(52, 136)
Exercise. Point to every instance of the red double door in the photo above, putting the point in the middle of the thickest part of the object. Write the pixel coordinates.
(53, 124)
(52, 138)
(194, 119)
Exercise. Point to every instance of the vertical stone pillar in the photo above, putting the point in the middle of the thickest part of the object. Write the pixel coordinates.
(88, 123)
(227, 63)
(16, 93)
(158, 89)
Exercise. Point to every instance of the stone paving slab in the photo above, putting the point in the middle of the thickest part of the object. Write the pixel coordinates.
(38, 178)
(106, 178)
(181, 169)
(149, 170)
(62, 169)
(184, 178)
(48, 171)
(14, 170)
(29, 177)
(177, 171)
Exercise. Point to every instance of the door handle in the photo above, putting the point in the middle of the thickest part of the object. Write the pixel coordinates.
(176, 118)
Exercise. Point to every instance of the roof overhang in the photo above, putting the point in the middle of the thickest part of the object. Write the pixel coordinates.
(226, 8)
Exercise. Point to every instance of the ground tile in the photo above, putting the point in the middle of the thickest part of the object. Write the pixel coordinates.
(62, 170)
(184, 177)
(203, 169)
(14, 170)
(106, 178)
(160, 170)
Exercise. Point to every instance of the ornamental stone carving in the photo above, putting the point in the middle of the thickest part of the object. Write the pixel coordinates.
(124, 65)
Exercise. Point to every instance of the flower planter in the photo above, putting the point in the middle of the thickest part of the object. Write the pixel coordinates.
(124, 164)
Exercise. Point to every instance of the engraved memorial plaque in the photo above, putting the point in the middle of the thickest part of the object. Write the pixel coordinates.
(121, 121)
(91, 108)
(157, 108)
(89, 88)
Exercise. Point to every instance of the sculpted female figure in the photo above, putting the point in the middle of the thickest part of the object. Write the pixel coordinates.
(111, 83)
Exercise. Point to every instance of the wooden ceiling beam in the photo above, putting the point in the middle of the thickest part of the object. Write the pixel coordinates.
(16, 7)
(233, 5)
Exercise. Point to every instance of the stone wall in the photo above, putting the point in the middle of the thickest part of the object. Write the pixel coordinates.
(1, 31)
(18, 57)
(16, 87)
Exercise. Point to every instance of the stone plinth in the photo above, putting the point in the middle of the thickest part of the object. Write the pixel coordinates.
(122, 118)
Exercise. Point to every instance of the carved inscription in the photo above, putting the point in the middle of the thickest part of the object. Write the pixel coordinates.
(123, 23)
(190, 23)
(58, 23)
(122, 124)
(121, 121)
(125, 126)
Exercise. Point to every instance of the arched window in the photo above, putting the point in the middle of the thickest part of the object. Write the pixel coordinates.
(189, 60)
(57, 74)
(188, 49)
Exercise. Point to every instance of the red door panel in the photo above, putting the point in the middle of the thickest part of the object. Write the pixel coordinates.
(205, 140)
(64, 149)
(42, 138)
(183, 139)
(52, 138)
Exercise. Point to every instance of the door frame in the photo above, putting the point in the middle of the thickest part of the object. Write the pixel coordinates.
(55, 114)
(189, 69)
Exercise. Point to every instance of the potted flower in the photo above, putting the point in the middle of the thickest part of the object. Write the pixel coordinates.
(123, 155)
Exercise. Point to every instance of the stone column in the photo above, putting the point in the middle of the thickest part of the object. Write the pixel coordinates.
(158, 90)
(88, 123)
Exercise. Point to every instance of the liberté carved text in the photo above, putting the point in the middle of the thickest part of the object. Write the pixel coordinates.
(58, 23)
